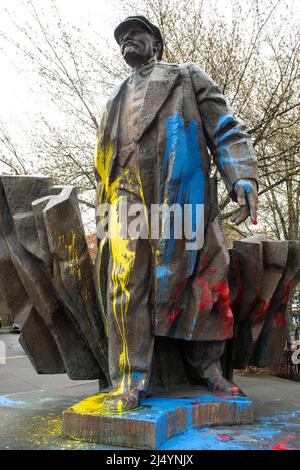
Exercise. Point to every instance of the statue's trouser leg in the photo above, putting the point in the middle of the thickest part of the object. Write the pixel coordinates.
(204, 357)
(130, 332)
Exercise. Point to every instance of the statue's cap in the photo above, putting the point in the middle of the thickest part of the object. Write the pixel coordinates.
(146, 24)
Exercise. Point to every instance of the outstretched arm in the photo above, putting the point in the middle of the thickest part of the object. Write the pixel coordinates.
(229, 144)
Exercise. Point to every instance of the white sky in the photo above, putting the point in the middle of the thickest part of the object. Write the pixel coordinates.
(21, 98)
(17, 97)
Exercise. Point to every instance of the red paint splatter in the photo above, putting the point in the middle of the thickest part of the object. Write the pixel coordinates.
(217, 293)
(283, 443)
(280, 317)
(260, 312)
(210, 271)
(225, 437)
(173, 314)
(174, 311)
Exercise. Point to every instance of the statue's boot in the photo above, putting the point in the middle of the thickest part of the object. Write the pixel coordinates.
(120, 402)
(215, 381)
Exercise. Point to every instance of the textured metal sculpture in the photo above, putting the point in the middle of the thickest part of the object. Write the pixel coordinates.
(46, 275)
(262, 277)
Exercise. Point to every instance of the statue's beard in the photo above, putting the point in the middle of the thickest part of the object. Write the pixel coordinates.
(135, 58)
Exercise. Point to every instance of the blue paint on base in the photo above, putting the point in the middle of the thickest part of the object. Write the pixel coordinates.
(156, 409)
(168, 403)
(160, 433)
(262, 435)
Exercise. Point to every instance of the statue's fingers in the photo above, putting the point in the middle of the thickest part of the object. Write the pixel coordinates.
(241, 215)
(252, 202)
(241, 195)
(235, 216)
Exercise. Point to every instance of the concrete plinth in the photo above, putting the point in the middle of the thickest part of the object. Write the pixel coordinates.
(159, 417)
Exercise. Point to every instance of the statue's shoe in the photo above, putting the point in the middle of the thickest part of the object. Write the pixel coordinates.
(219, 384)
(121, 402)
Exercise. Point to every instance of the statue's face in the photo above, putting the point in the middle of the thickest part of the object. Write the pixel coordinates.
(137, 46)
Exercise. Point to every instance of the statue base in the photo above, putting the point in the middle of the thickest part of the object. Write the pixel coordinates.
(160, 416)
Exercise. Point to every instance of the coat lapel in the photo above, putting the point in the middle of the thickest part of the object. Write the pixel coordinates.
(160, 85)
(162, 80)
(111, 125)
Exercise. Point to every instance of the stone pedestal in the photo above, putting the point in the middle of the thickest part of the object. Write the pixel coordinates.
(159, 417)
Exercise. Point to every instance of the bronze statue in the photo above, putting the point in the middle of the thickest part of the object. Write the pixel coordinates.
(161, 309)
(152, 148)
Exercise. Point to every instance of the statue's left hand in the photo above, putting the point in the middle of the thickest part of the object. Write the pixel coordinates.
(246, 192)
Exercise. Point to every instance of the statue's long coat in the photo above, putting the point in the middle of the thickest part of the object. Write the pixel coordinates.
(182, 116)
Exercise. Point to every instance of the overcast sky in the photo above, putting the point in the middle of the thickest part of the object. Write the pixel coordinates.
(17, 95)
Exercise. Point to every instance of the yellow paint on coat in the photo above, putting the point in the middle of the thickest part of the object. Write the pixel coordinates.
(122, 263)
(122, 255)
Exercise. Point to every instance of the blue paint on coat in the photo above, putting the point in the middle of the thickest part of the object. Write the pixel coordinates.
(162, 271)
(227, 134)
(182, 182)
(224, 120)
(229, 164)
(246, 185)
(136, 375)
(182, 169)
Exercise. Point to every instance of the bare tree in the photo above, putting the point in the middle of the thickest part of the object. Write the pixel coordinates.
(77, 78)
(253, 55)
(10, 158)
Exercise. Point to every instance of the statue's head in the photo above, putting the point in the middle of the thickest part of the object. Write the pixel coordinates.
(139, 40)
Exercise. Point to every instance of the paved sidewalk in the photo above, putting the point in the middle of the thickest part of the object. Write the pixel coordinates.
(31, 406)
